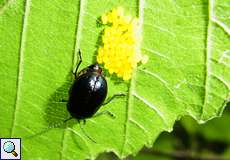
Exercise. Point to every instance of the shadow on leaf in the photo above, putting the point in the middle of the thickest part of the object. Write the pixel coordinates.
(56, 112)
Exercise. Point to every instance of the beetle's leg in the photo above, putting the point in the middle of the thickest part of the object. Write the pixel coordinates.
(104, 112)
(82, 129)
(108, 101)
(78, 65)
(84, 121)
(64, 100)
(67, 119)
(57, 125)
(114, 96)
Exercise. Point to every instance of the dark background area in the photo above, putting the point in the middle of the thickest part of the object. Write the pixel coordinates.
(189, 141)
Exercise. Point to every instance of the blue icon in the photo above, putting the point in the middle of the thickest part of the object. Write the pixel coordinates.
(9, 147)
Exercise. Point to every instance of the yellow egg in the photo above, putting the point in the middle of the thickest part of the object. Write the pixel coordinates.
(119, 52)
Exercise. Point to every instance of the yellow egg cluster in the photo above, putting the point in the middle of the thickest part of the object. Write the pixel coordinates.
(120, 51)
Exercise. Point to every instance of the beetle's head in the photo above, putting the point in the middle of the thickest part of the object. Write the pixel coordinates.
(96, 68)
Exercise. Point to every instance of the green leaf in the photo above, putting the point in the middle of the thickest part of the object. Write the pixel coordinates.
(214, 130)
(188, 73)
(189, 138)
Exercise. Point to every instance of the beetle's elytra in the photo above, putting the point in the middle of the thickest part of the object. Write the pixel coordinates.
(87, 93)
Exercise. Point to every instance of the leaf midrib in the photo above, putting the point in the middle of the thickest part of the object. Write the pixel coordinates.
(78, 29)
(21, 63)
(133, 79)
(208, 51)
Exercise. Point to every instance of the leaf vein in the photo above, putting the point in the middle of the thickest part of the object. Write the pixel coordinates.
(208, 54)
(75, 50)
(132, 81)
(151, 106)
(156, 53)
(221, 80)
(79, 135)
(139, 126)
(21, 63)
(222, 25)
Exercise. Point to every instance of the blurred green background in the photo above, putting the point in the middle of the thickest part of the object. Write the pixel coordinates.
(189, 141)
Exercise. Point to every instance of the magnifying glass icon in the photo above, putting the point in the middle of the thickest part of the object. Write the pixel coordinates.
(9, 147)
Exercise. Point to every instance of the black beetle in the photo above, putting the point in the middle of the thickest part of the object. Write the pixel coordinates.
(88, 92)
(86, 95)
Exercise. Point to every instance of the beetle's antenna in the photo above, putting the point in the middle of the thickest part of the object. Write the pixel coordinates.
(82, 129)
(50, 127)
(79, 63)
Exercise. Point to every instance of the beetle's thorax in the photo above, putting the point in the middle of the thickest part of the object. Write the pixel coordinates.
(96, 68)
